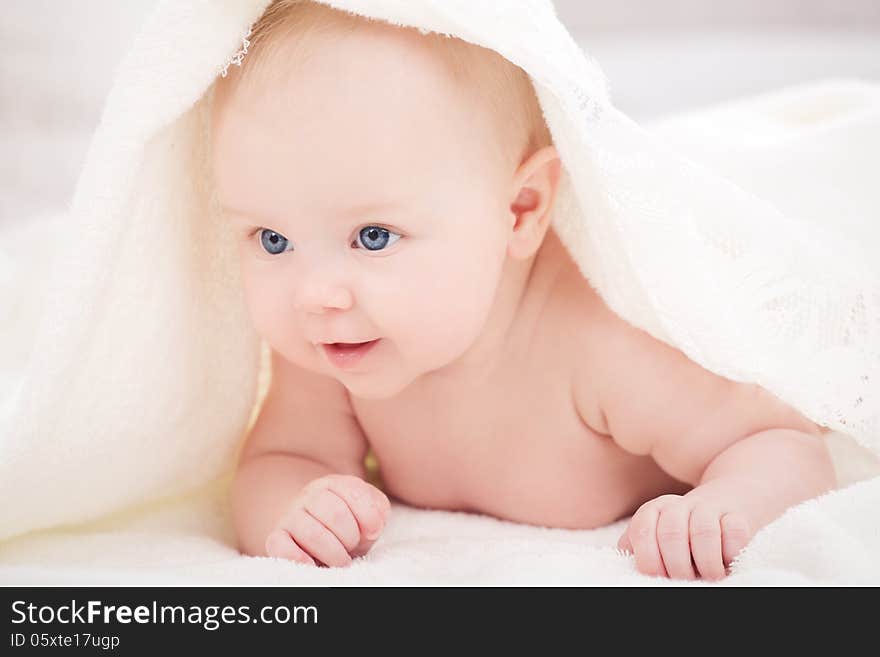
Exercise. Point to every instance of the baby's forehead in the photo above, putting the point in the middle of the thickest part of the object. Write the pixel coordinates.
(383, 63)
(393, 61)
(342, 80)
(378, 88)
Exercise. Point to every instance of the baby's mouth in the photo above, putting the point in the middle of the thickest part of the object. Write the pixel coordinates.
(347, 354)
(349, 345)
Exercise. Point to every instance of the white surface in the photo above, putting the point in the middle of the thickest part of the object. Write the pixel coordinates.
(657, 74)
(187, 541)
(627, 15)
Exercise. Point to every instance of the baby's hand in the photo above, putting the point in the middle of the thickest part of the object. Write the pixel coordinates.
(666, 532)
(334, 518)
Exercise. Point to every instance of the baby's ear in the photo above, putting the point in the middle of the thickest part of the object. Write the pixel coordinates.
(534, 190)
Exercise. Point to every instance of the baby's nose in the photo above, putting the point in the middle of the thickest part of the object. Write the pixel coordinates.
(321, 297)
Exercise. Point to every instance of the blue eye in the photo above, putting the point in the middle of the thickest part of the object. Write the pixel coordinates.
(376, 238)
(274, 243)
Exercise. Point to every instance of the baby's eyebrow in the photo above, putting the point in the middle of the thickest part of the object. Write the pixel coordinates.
(354, 210)
(369, 208)
(233, 211)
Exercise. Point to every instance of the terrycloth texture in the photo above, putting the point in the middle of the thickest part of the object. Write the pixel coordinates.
(188, 541)
(742, 235)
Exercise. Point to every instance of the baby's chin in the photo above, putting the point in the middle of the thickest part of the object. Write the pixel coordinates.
(387, 380)
(373, 387)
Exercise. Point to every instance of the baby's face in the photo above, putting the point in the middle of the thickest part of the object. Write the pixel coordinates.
(369, 200)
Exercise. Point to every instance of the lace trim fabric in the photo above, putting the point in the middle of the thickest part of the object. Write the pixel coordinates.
(238, 57)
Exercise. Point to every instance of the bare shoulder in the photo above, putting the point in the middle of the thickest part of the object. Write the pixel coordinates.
(590, 324)
(654, 400)
(609, 357)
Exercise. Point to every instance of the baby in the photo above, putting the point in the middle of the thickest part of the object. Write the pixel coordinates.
(391, 193)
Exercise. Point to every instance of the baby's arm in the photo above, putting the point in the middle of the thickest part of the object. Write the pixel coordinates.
(748, 455)
(299, 489)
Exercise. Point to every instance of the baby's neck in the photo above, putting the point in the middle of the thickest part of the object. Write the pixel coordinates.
(524, 288)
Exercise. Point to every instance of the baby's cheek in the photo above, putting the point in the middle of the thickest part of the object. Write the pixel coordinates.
(448, 317)
(267, 313)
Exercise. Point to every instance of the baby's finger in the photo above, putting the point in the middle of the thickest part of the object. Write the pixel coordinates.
(672, 536)
(381, 499)
(317, 540)
(330, 509)
(363, 505)
(735, 534)
(705, 533)
(280, 544)
(643, 539)
(624, 544)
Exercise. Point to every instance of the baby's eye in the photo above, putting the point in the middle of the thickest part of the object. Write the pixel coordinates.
(376, 238)
(274, 243)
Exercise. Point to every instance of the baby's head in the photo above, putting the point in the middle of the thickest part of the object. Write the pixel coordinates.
(381, 183)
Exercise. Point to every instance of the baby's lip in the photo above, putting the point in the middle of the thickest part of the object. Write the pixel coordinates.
(346, 342)
(346, 356)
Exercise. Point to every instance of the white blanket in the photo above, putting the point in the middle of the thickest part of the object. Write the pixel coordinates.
(189, 541)
(112, 393)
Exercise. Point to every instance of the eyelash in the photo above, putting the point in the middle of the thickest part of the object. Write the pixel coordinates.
(259, 229)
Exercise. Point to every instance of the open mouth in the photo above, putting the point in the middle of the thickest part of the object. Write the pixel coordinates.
(345, 355)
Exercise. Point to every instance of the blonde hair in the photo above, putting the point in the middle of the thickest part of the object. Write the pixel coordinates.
(505, 87)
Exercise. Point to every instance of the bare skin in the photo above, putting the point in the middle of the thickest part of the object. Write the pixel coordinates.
(501, 383)
(505, 437)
